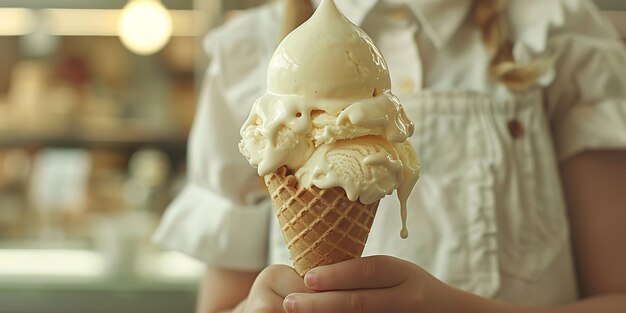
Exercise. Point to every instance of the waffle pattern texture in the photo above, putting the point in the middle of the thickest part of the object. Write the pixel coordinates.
(320, 226)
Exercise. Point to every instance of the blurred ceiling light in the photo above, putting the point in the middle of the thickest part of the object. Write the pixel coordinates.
(145, 26)
(66, 263)
(16, 21)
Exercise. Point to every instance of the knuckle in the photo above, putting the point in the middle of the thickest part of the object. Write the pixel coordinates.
(270, 274)
(356, 302)
(369, 269)
(416, 290)
(265, 278)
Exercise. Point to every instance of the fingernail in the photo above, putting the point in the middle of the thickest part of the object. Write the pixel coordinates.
(290, 304)
(310, 279)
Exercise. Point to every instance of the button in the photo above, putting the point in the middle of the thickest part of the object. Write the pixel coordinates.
(407, 85)
(516, 129)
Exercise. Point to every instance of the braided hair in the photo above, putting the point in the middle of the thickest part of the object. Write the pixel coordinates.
(489, 16)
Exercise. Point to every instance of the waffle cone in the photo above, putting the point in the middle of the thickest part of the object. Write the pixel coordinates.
(320, 226)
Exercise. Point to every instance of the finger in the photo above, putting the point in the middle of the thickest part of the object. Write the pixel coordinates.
(282, 279)
(361, 301)
(361, 273)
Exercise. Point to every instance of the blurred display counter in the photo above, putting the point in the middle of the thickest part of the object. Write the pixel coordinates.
(95, 297)
(67, 281)
(122, 138)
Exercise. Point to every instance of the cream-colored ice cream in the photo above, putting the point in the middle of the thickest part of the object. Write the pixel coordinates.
(329, 115)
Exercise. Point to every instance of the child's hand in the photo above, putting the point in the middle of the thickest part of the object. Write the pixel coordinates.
(378, 284)
(271, 287)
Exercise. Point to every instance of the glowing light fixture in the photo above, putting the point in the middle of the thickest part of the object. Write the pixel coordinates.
(145, 26)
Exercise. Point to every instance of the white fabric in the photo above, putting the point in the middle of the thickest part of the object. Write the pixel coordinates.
(488, 214)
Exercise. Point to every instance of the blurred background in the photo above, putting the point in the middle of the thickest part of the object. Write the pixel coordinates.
(96, 101)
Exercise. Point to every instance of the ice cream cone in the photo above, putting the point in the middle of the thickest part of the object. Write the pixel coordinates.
(328, 130)
(320, 226)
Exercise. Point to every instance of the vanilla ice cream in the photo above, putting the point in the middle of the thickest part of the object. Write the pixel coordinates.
(329, 115)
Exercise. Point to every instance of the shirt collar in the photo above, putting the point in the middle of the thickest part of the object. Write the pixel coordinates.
(440, 19)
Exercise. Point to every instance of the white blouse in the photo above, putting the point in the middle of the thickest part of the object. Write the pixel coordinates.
(488, 214)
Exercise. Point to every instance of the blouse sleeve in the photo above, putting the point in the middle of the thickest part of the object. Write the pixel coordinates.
(222, 215)
(586, 101)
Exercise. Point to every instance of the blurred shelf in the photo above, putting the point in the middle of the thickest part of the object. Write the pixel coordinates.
(122, 297)
(125, 140)
(186, 4)
(117, 4)
(130, 285)
(89, 4)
